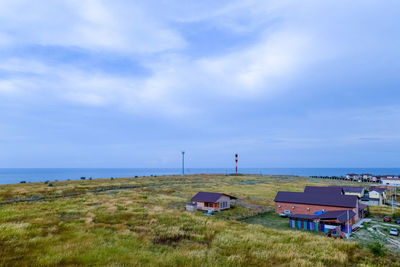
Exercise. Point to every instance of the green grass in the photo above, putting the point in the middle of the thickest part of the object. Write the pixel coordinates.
(142, 222)
(269, 219)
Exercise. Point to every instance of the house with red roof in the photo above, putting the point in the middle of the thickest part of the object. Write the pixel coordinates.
(324, 209)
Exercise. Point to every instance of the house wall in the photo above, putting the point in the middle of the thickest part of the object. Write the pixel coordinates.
(373, 194)
(224, 199)
(217, 205)
(354, 194)
(309, 209)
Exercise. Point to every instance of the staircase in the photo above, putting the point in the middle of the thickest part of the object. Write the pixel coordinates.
(341, 233)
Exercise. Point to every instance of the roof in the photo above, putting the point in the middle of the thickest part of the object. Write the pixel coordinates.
(340, 215)
(332, 200)
(323, 190)
(379, 190)
(209, 196)
(353, 189)
(350, 189)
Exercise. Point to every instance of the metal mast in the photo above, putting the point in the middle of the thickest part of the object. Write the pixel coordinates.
(183, 163)
(236, 160)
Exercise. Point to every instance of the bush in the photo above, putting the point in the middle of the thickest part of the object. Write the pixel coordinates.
(46, 182)
(22, 182)
(90, 178)
(83, 178)
(377, 249)
(50, 184)
(112, 178)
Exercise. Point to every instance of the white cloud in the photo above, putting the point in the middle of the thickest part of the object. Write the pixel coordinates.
(7, 87)
(277, 57)
(177, 81)
(89, 24)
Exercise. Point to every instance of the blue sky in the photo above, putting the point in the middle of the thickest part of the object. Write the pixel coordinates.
(122, 84)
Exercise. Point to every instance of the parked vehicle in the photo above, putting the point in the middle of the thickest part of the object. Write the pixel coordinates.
(387, 219)
(397, 220)
(394, 231)
(285, 213)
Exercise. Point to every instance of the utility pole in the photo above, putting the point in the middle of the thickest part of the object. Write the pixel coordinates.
(348, 225)
(392, 205)
(236, 160)
(183, 163)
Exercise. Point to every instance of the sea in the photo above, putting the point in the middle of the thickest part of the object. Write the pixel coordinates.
(30, 175)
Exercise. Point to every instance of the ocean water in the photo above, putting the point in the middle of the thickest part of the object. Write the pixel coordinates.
(16, 175)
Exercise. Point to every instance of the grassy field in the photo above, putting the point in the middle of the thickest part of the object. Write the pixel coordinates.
(142, 222)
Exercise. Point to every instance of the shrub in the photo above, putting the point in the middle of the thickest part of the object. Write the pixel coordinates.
(50, 184)
(46, 182)
(83, 178)
(112, 178)
(22, 182)
(90, 178)
(377, 249)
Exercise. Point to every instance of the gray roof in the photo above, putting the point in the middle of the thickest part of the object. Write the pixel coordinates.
(340, 215)
(209, 196)
(322, 199)
(350, 189)
(323, 190)
(353, 189)
(379, 190)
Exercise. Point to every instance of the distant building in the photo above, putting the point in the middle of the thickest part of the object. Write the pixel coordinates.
(210, 201)
(377, 195)
(390, 181)
(352, 176)
(366, 177)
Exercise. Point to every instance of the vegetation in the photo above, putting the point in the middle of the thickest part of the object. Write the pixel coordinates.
(142, 222)
(377, 248)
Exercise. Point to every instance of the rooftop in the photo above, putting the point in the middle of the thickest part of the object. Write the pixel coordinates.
(333, 200)
(340, 215)
(209, 196)
(323, 190)
(351, 189)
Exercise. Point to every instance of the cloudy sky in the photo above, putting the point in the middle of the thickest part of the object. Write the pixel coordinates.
(87, 83)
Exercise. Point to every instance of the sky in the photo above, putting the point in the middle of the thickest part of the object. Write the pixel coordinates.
(114, 83)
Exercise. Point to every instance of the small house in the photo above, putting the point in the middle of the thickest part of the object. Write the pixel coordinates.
(378, 195)
(210, 201)
(358, 191)
(352, 177)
